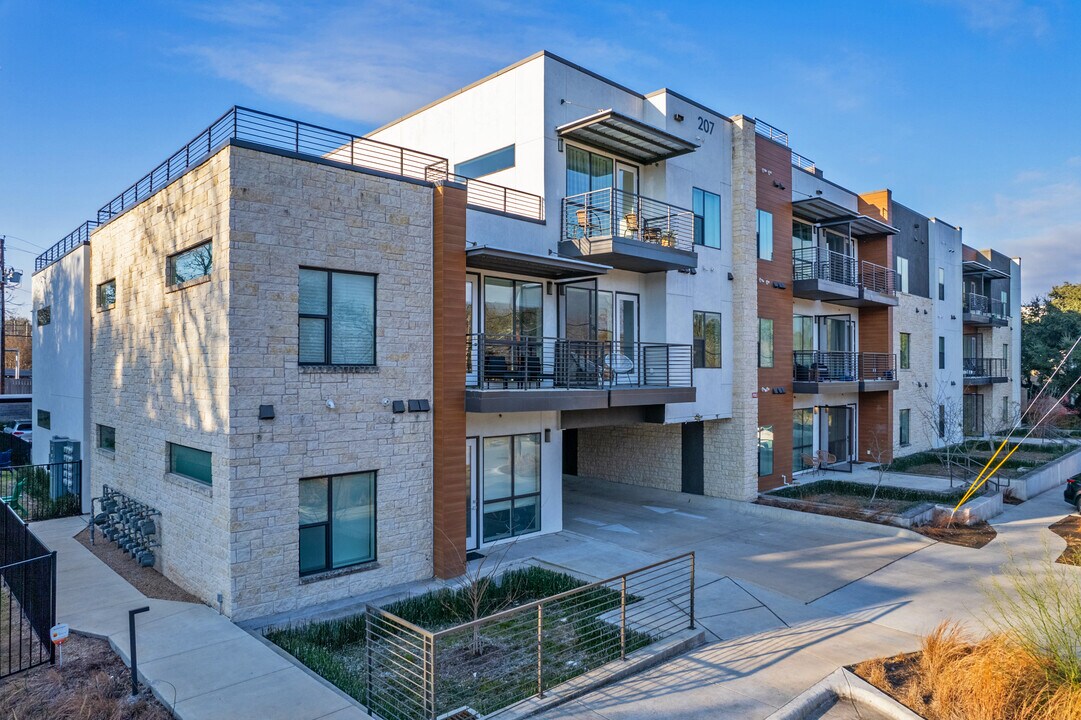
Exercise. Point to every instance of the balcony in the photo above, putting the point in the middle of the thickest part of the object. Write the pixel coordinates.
(982, 311)
(822, 274)
(506, 374)
(817, 371)
(628, 231)
(984, 371)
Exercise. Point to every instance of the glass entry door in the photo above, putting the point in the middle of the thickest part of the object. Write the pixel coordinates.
(837, 436)
(471, 494)
(626, 200)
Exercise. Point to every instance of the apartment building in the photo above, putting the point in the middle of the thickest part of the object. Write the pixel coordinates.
(337, 363)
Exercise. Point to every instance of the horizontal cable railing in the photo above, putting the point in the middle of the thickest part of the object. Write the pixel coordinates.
(601, 215)
(819, 263)
(79, 236)
(984, 367)
(878, 366)
(765, 129)
(803, 163)
(27, 596)
(500, 361)
(483, 666)
(879, 279)
(976, 304)
(825, 366)
(482, 194)
(43, 492)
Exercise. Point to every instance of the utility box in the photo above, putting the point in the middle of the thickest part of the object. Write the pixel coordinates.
(64, 467)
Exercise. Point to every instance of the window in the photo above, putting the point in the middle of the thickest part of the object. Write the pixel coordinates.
(942, 421)
(1004, 298)
(765, 235)
(189, 462)
(902, 272)
(707, 218)
(765, 450)
(189, 265)
(802, 235)
(45, 419)
(107, 438)
(941, 353)
(1005, 409)
(1005, 356)
(45, 315)
(512, 477)
(803, 338)
(802, 438)
(587, 171)
(707, 339)
(941, 284)
(107, 295)
(765, 343)
(906, 351)
(337, 521)
(337, 318)
(904, 426)
(513, 308)
(486, 164)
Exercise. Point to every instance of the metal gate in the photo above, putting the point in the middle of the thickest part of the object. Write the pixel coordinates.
(27, 596)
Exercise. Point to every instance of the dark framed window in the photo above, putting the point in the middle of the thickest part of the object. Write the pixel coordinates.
(107, 295)
(45, 419)
(190, 462)
(906, 351)
(941, 353)
(511, 472)
(765, 343)
(941, 284)
(904, 420)
(486, 164)
(189, 264)
(765, 450)
(802, 438)
(942, 421)
(707, 218)
(45, 315)
(803, 235)
(707, 339)
(337, 318)
(587, 171)
(107, 438)
(337, 521)
(765, 235)
(1005, 356)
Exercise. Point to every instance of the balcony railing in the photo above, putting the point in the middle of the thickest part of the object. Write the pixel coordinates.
(819, 263)
(489, 196)
(502, 362)
(879, 279)
(977, 304)
(825, 366)
(608, 213)
(984, 368)
(878, 366)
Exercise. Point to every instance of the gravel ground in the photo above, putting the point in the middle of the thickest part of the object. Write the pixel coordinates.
(148, 581)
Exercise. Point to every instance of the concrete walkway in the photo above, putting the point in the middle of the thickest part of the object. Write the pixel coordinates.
(198, 663)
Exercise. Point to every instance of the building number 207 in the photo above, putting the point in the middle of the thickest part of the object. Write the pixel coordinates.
(705, 126)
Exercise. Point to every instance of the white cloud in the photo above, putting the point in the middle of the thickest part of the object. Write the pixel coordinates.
(1013, 17)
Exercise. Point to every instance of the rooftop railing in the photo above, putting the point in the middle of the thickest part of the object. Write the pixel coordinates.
(764, 129)
(481, 194)
(79, 236)
(604, 214)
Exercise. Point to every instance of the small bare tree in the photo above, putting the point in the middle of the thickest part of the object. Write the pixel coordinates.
(881, 450)
(943, 415)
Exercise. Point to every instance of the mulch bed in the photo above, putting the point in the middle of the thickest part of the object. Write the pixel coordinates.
(899, 670)
(93, 684)
(970, 536)
(1069, 529)
(146, 580)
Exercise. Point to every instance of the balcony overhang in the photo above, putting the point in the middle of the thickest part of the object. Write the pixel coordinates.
(630, 254)
(826, 213)
(865, 298)
(826, 290)
(624, 136)
(879, 385)
(515, 400)
(983, 319)
(551, 267)
(972, 267)
(811, 387)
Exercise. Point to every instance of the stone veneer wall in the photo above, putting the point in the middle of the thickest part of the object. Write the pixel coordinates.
(160, 370)
(909, 317)
(642, 454)
(287, 213)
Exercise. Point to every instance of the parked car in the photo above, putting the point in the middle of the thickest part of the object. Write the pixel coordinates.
(23, 429)
(1072, 493)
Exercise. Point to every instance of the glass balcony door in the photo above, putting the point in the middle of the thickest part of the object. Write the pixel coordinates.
(471, 494)
(837, 433)
(628, 214)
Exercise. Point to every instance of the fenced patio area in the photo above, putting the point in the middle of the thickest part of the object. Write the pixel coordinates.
(43, 492)
(27, 596)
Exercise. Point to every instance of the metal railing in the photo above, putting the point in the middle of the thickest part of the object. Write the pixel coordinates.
(509, 656)
(27, 596)
(819, 263)
(984, 367)
(78, 236)
(825, 366)
(803, 163)
(878, 366)
(765, 129)
(608, 213)
(977, 304)
(481, 194)
(43, 492)
(499, 361)
(879, 279)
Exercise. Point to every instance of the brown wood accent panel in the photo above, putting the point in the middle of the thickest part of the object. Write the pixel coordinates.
(774, 194)
(876, 204)
(876, 419)
(449, 481)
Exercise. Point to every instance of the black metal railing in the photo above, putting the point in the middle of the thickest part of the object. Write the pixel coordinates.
(825, 366)
(984, 367)
(878, 366)
(78, 236)
(608, 213)
(43, 492)
(976, 304)
(819, 263)
(481, 194)
(27, 596)
(879, 279)
(534, 363)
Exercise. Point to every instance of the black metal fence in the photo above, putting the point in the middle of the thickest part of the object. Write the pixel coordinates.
(78, 236)
(27, 596)
(43, 492)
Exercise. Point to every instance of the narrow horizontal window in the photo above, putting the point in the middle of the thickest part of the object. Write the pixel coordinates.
(190, 264)
(486, 164)
(190, 462)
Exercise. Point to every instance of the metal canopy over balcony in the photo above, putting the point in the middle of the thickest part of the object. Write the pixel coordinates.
(625, 136)
(826, 212)
(551, 267)
(973, 267)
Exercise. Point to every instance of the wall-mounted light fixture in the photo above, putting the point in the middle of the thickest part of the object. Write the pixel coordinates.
(266, 412)
(398, 406)
(677, 117)
(559, 145)
(419, 406)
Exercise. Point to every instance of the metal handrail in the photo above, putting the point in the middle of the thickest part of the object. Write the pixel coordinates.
(984, 367)
(825, 366)
(765, 129)
(819, 263)
(878, 278)
(982, 305)
(878, 366)
(483, 194)
(600, 215)
(803, 163)
(78, 236)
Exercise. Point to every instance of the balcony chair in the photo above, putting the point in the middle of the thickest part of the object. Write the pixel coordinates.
(12, 500)
(811, 461)
(585, 223)
(496, 369)
(826, 458)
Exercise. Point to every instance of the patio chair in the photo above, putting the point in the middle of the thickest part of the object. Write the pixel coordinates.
(585, 223)
(812, 462)
(12, 500)
(826, 458)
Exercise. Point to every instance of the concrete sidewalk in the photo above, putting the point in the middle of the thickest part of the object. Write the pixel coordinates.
(198, 663)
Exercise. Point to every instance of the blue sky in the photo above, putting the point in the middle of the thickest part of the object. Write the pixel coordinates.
(967, 109)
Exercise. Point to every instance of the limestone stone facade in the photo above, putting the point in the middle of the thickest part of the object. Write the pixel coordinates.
(914, 315)
(643, 454)
(193, 366)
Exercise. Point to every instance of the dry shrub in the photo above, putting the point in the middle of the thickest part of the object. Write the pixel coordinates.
(874, 672)
(943, 646)
(991, 682)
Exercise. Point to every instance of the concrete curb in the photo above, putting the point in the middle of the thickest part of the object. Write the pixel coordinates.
(798, 517)
(837, 686)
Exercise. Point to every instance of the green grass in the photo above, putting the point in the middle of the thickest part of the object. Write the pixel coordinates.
(863, 490)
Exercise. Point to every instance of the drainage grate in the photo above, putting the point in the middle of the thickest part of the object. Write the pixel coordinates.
(462, 713)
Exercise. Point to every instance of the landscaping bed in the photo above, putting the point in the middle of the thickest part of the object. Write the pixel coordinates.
(146, 580)
(975, 535)
(977, 453)
(1069, 529)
